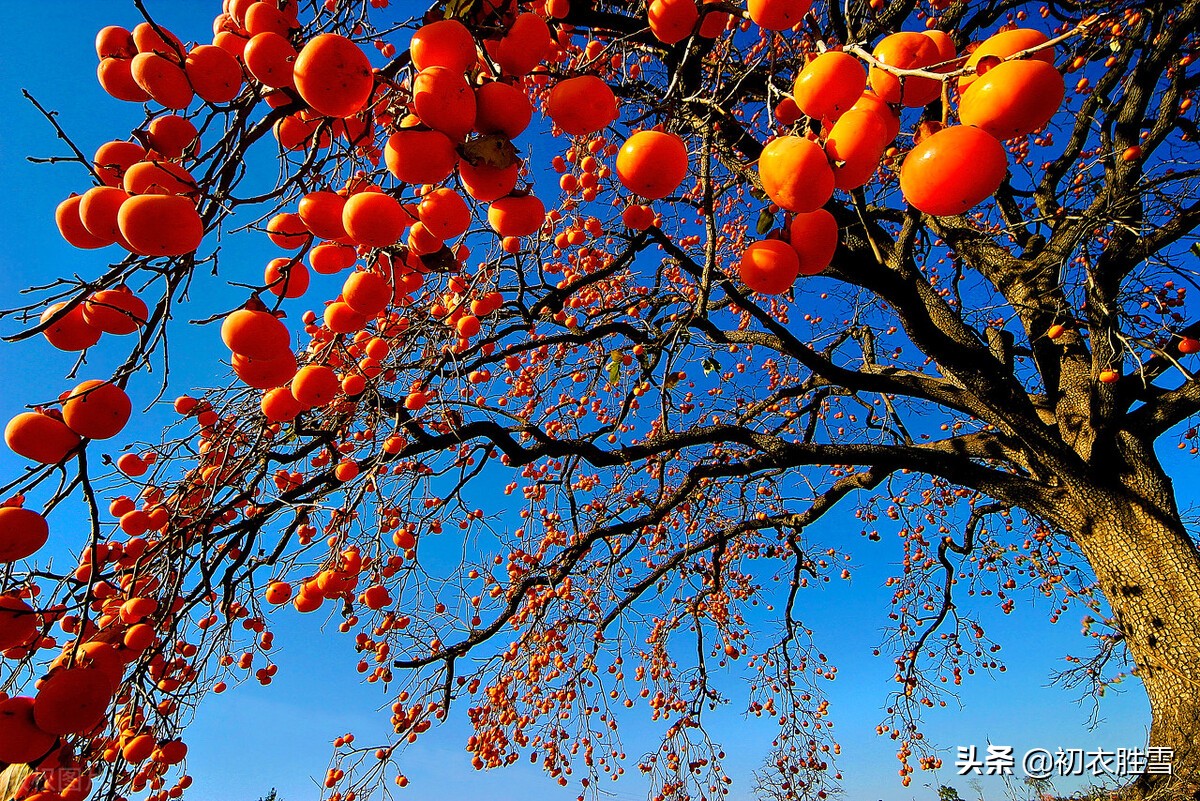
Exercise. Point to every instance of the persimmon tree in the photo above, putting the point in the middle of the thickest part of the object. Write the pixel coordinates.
(747, 264)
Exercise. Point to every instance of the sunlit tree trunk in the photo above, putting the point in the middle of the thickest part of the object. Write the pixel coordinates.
(1149, 570)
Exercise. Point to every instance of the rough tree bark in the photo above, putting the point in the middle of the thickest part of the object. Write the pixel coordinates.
(1148, 568)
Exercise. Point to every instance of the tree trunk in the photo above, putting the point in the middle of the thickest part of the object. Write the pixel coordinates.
(1149, 571)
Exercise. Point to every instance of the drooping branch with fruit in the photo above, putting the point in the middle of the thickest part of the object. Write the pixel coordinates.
(679, 277)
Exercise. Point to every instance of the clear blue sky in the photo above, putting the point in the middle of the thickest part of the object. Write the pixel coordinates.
(316, 695)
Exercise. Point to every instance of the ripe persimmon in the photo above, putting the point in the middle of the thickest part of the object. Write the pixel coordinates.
(503, 109)
(161, 225)
(422, 241)
(257, 334)
(307, 602)
(445, 43)
(1013, 98)
(769, 266)
(155, 177)
(315, 385)
(278, 592)
(333, 75)
(672, 21)
(467, 326)
(97, 409)
(265, 373)
(98, 210)
(906, 50)
(999, 47)
(795, 173)
(73, 700)
(115, 311)
(953, 170)
(417, 156)
(341, 318)
(171, 135)
(373, 219)
(158, 40)
(945, 46)
(516, 215)
(376, 596)
(777, 15)
(581, 105)
(21, 741)
(170, 752)
(288, 231)
(346, 470)
(444, 101)
(264, 17)
(829, 85)
(22, 532)
(138, 749)
(814, 237)
(445, 213)
(652, 163)
(712, 23)
(40, 438)
(235, 14)
(367, 293)
(113, 41)
(18, 621)
(116, 77)
(112, 159)
(132, 465)
(271, 59)
(71, 226)
(286, 278)
(855, 145)
(215, 74)
(71, 331)
(331, 258)
(164, 81)
(485, 183)
(232, 42)
(278, 405)
(321, 213)
(523, 47)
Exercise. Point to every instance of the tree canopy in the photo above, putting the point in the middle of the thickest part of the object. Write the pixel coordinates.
(678, 278)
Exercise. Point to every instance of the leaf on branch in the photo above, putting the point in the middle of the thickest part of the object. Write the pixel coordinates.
(459, 9)
(710, 365)
(614, 366)
(492, 150)
(11, 779)
(766, 220)
(440, 261)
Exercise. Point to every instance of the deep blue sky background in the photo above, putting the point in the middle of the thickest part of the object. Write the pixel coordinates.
(254, 738)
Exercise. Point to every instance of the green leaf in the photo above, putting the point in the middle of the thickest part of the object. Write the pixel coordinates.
(1196, 248)
(614, 372)
(766, 220)
(458, 9)
(711, 365)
